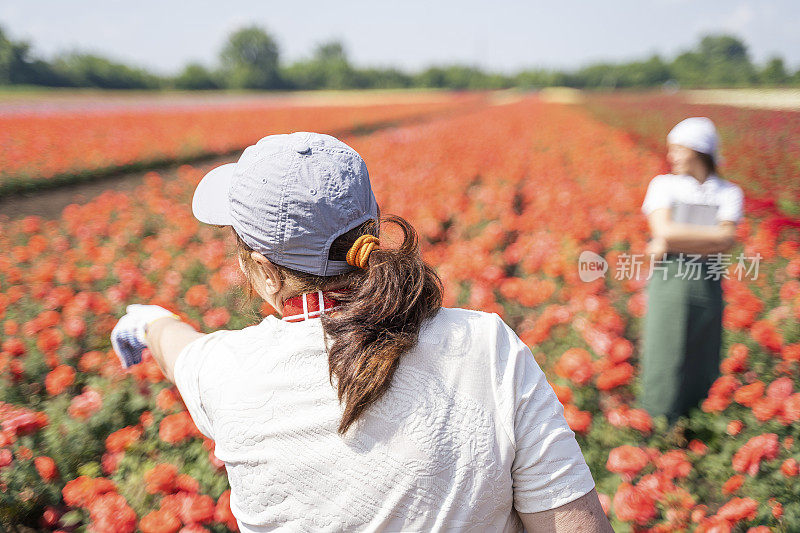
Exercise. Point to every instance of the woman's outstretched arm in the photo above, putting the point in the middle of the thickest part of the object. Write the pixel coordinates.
(166, 338)
(584, 515)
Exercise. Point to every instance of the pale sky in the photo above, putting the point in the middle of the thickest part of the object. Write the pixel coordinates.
(504, 36)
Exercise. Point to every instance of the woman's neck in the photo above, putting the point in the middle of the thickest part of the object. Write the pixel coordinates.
(295, 292)
(700, 175)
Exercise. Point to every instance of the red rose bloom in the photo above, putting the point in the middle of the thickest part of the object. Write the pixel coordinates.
(632, 504)
(733, 484)
(177, 427)
(122, 438)
(627, 461)
(222, 512)
(46, 468)
(59, 379)
(790, 468)
(161, 521)
(161, 478)
(749, 457)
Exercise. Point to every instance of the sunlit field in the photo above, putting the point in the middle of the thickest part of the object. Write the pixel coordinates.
(506, 192)
(78, 136)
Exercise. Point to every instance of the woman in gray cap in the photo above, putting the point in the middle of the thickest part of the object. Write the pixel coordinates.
(692, 215)
(367, 406)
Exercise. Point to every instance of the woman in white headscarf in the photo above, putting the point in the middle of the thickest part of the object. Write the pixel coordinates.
(692, 214)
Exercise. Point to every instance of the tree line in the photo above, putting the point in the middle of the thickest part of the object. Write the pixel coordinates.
(250, 59)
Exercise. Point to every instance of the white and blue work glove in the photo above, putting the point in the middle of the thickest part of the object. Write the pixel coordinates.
(128, 336)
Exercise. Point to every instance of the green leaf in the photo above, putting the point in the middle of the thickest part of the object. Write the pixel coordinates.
(72, 518)
(90, 469)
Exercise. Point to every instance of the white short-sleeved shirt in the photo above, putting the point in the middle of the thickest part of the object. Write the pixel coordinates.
(468, 431)
(670, 190)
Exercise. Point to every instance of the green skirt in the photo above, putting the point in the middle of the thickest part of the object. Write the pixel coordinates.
(681, 339)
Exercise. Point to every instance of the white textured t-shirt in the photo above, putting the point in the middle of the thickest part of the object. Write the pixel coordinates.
(671, 190)
(468, 431)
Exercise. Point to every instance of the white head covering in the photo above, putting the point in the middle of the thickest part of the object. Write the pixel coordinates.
(697, 133)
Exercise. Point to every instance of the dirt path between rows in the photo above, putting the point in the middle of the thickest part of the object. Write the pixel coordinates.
(48, 203)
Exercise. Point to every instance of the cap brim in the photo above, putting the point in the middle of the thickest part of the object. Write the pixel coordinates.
(210, 203)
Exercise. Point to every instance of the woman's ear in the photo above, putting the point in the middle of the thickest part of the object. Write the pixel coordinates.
(272, 277)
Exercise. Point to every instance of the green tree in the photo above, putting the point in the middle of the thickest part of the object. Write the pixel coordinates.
(774, 72)
(250, 60)
(718, 61)
(17, 67)
(536, 79)
(382, 78)
(328, 68)
(331, 60)
(195, 76)
(431, 77)
(600, 75)
(727, 60)
(689, 69)
(461, 77)
(651, 72)
(89, 70)
(330, 52)
(9, 58)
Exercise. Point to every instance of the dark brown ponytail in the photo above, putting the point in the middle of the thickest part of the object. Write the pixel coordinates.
(380, 321)
(380, 317)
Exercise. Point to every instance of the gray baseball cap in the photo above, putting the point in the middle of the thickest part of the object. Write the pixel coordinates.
(289, 196)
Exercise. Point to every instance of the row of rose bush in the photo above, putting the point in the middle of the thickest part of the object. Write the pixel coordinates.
(503, 213)
(39, 148)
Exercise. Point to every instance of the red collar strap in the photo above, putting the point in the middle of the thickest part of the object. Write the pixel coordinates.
(307, 305)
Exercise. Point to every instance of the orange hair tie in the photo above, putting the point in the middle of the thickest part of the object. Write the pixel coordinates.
(359, 252)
